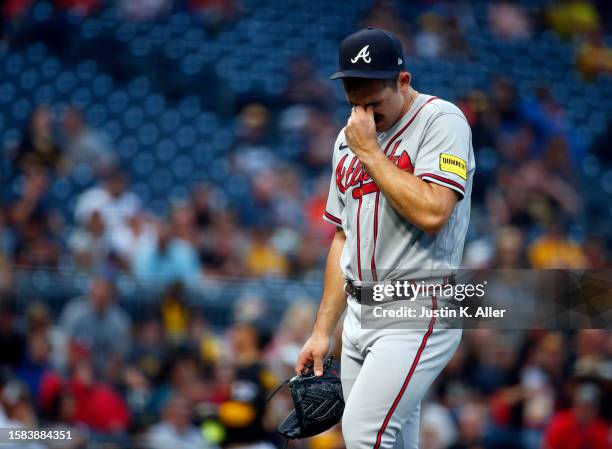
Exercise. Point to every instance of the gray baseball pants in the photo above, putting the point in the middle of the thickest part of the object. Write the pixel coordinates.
(385, 374)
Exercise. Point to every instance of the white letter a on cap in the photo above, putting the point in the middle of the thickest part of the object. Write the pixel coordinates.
(363, 54)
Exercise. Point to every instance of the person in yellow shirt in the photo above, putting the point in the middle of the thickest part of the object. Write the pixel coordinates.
(263, 259)
(555, 250)
(573, 17)
(594, 57)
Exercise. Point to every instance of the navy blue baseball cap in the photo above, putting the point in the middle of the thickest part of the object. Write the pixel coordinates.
(370, 53)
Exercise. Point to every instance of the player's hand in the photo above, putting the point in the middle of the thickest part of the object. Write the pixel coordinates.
(360, 131)
(311, 357)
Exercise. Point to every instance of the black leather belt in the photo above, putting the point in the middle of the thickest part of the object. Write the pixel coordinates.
(353, 290)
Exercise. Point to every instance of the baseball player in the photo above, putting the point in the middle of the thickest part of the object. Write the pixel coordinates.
(400, 198)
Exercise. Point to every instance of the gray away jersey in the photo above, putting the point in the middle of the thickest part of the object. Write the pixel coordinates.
(433, 141)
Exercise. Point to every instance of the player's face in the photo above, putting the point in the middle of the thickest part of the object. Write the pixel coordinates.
(387, 103)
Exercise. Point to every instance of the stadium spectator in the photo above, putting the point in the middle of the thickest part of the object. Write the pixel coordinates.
(557, 159)
(505, 101)
(549, 120)
(147, 352)
(112, 199)
(581, 426)
(175, 313)
(36, 362)
(262, 258)
(472, 422)
(573, 17)
(222, 245)
(438, 430)
(243, 409)
(429, 41)
(294, 328)
(166, 259)
(38, 146)
(320, 133)
(456, 45)
(594, 57)
(314, 209)
(82, 399)
(183, 222)
(555, 250)
(11, 339)
(34, 221)
(482, 116)
(249, 309)
(289, 201)
(97, 322)
(258, 208)
(509, 21)
(254, 130)
(17, 411)
(83, 144)
(383, 15)
(203, 198)
(304, 86)
(305, 258)
(594, 249)
(140, 229)
(176, 428)
(590, 358)
(509, 252)
(182, 374)
(90, 244)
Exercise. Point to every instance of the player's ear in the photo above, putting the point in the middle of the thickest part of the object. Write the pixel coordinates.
(403, 80)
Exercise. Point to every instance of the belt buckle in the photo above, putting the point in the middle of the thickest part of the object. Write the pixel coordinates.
(352, 290)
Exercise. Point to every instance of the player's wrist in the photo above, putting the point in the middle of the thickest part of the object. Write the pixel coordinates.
(372, 156)
(320, 332)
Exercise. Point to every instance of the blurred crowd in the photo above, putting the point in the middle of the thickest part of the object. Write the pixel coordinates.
(158, 381)
(166, 379)
(526, 201)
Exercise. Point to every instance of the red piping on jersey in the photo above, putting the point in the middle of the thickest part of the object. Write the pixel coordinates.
(373, 261)
(443, 179)
(332, 218)
(394, 148)
(358, 241)
(408, 377)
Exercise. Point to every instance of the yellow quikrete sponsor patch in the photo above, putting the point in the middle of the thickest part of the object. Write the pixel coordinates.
(453, 164)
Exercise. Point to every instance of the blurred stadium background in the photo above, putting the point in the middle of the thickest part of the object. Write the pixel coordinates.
(165, 166)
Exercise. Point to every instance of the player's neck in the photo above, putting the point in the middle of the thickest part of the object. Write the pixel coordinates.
(409, 101)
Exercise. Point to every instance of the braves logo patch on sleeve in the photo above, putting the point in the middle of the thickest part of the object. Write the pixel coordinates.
(453, 164)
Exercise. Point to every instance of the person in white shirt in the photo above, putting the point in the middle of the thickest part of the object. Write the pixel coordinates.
(112, 199)
(176, 429)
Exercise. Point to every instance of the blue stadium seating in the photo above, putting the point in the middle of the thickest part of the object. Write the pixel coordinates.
(153, 97)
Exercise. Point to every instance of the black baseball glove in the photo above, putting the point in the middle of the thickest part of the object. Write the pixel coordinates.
(318, 404)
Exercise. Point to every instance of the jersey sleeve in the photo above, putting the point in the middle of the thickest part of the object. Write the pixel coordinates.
(335, 204)
(444, 156)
